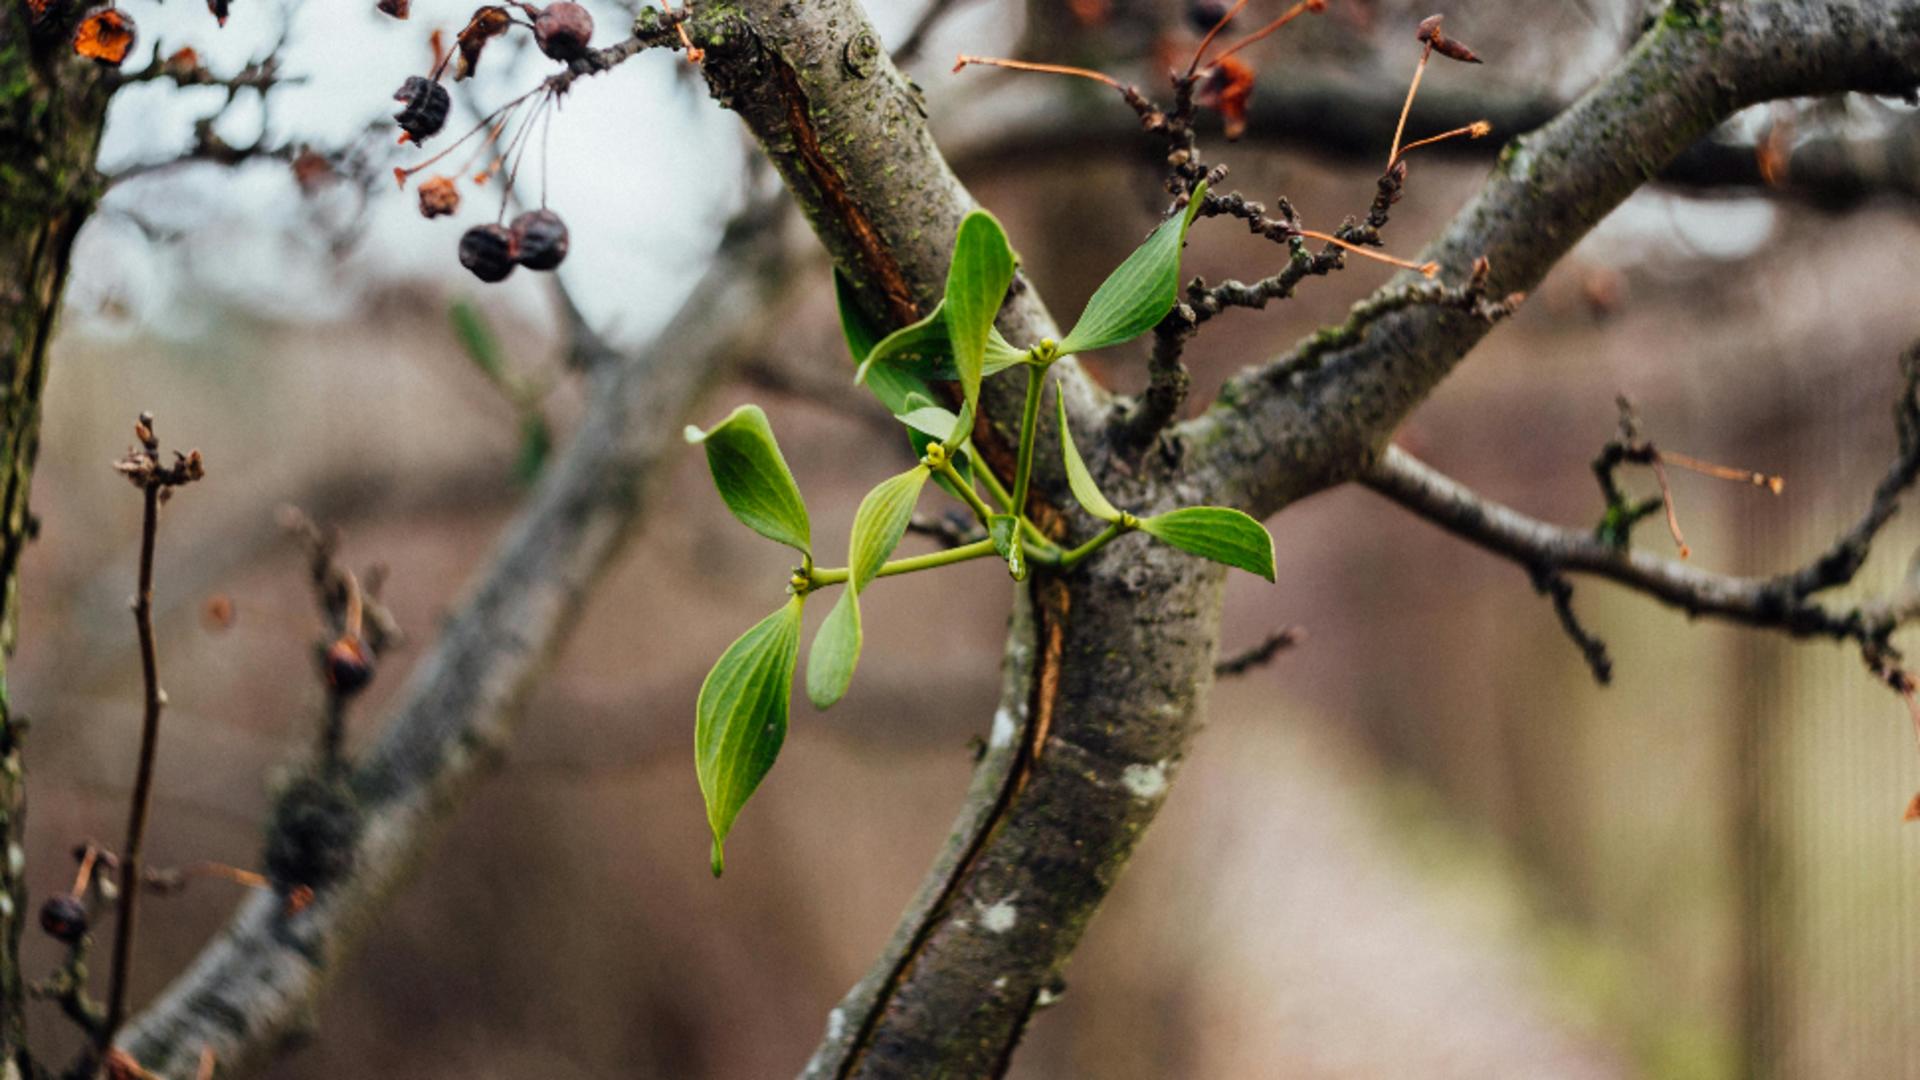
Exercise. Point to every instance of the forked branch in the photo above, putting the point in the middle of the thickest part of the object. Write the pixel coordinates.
(1783, 602)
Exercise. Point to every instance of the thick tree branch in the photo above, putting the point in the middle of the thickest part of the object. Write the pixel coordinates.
(1341, 117)
(1303, 423)
(1105, 668)
(51, 115)
(252, 987)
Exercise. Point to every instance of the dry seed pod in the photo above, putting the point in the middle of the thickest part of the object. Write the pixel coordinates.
(1433, 37)
(438, 197)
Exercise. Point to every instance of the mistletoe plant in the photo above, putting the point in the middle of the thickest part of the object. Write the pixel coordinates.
(742, 711)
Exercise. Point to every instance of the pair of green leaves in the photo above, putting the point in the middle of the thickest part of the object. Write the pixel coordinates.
(741, 716)
(958, 340)
(740, 720)
(877, 528)
(1218, 533)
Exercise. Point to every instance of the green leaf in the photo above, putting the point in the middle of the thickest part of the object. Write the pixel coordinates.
(861, 334)
(836, 649)
(923, 342)
(536, 445)
(1139, 292)
(1005, 531)
(753, 478)
(891, 383)
(880, 523)
(920, 354)
(741, 718)
(977, 282)
(962, 429)
(930, 420)
(928, 424)
(1214, 532)
(1085, 491)
(1001, 354)
(478, 342)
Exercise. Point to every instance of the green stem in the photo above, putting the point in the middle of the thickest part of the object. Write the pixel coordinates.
(1101, 539)
(1029, 423)
(977, 549)
(965, 488)
(999, 493)
(994, 487)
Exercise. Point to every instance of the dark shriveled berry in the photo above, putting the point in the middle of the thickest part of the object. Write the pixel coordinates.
(423, 108)
(488, 251)
(349, 668)
(1204, 15)
(541, 239)
(64, 918)
(563, 30)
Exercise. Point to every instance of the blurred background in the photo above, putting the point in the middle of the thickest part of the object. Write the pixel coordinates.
(1422, 843)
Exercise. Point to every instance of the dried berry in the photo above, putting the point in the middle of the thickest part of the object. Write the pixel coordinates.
(423, 108)
(349, 667)
(438, 197)
(1204, 15)
(1430, 34)
(540, 238)
(64, 918)
(1227, 87)
(488, 251)
(563, 30)
(487, 23)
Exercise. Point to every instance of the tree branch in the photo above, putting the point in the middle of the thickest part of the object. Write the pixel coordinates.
(1291, 428)
(251, 987)
(1342, 117)
(51, 115)
(1097, 709)
(1547, 551)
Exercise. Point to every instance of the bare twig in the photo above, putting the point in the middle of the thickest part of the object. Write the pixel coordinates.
(156, 483)
(1548, 551)
(1275, 643)
(916, 40)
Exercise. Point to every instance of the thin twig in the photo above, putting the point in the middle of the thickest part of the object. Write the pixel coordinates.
(1400, 129)
(1275, 643)
(143, 467)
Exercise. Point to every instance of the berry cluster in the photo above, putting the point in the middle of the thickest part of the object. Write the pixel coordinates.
(536, 239)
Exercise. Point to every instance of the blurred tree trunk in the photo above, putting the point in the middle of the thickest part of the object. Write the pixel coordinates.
(52, 107)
